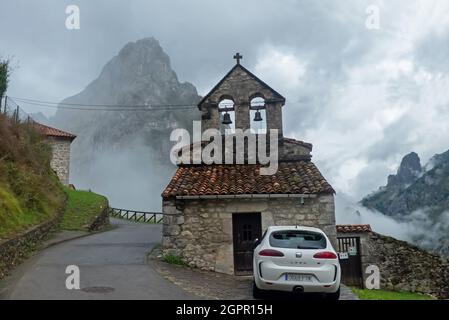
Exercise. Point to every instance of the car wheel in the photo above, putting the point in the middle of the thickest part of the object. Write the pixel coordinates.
(257, 293)
(333, 296)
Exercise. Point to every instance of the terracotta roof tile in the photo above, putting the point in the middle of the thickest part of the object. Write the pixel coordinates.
(353, 228)
(53, 132)
(301, 177)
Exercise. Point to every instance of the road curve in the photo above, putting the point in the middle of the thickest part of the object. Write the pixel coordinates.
(112, 266)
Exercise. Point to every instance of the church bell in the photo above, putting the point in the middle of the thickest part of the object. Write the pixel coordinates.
(258, 116)
(226, 118)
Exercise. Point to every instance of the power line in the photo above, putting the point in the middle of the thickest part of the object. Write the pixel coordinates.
(117, 108)
(103, 107)
(107, 107)
(56, 104)
(14, 111)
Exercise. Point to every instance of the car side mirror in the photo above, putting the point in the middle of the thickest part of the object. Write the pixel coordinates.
(256, 243)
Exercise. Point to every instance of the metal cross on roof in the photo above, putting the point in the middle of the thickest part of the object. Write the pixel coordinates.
(237, 57)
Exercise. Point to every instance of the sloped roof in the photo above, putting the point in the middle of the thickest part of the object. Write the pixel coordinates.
(53, 132)
(198, 146)
(353, 228)
(298, 142)
(253, 76)
(300, 177)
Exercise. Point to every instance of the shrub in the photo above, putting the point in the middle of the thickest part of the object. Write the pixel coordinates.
(173, 259)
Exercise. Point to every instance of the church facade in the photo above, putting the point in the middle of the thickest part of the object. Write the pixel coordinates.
(213, 213)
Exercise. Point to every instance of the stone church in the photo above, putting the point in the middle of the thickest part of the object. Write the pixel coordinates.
(214, 212)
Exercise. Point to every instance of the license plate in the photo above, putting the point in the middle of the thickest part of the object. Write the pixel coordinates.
(298, 277)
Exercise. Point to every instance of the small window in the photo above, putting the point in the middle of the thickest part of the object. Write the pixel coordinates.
(297, 239)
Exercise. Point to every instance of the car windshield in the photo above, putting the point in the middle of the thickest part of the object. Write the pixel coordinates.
(297, 239)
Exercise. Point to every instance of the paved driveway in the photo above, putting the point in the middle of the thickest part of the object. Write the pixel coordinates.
(112, 266)
(211, 285)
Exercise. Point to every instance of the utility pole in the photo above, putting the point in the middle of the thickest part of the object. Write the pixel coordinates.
(17, 114)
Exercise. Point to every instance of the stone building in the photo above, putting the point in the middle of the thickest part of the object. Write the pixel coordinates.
(353, 241)
(402, 266)
(60, 142)
(214, 212)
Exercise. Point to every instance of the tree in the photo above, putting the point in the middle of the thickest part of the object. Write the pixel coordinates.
(5, 72)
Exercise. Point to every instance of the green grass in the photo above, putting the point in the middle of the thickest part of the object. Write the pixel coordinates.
(30, 192)
(365, 294)
(15, 217)
(82, 209)
(173, 259)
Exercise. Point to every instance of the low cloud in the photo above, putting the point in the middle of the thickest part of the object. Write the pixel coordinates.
(349, 212)
(131, 178)
(417, 228)
(363, 97)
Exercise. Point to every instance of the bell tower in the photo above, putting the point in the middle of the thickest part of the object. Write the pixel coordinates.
(242, 101)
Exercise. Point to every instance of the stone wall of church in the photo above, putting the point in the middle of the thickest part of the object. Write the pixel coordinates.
(200, 231)
(241, 88)
(60, 161)
(291, 151)
(274, 116)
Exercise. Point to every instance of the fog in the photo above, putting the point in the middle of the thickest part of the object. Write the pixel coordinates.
(417, 228)
(364, 97)
(134, 177)
(131, 178)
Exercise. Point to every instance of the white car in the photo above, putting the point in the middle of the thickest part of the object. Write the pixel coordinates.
(296, 259)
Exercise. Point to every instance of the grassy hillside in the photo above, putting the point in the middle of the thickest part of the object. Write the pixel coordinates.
(82, 209)
(30, 192)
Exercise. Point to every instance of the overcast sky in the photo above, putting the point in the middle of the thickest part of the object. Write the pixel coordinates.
(364, 97)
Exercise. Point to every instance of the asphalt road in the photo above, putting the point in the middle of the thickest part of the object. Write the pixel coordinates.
(112, 265)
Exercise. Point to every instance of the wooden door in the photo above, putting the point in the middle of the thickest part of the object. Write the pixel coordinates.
(351, 265)
(246, 229)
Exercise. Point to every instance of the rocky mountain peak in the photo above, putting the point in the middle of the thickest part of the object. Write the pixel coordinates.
(409, 170)
(139, 74)
(144, 57)
(149, 44)
(125, 154)
(438, 159)
(419, 197)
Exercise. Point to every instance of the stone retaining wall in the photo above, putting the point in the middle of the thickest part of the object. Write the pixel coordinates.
(13, 251)
(101, 221)
(404, 267)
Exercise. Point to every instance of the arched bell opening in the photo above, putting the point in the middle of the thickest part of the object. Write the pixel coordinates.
(258, 115)
(226, 111)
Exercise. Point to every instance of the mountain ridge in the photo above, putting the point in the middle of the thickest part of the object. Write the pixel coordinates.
(419, 196)
(135, 142)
